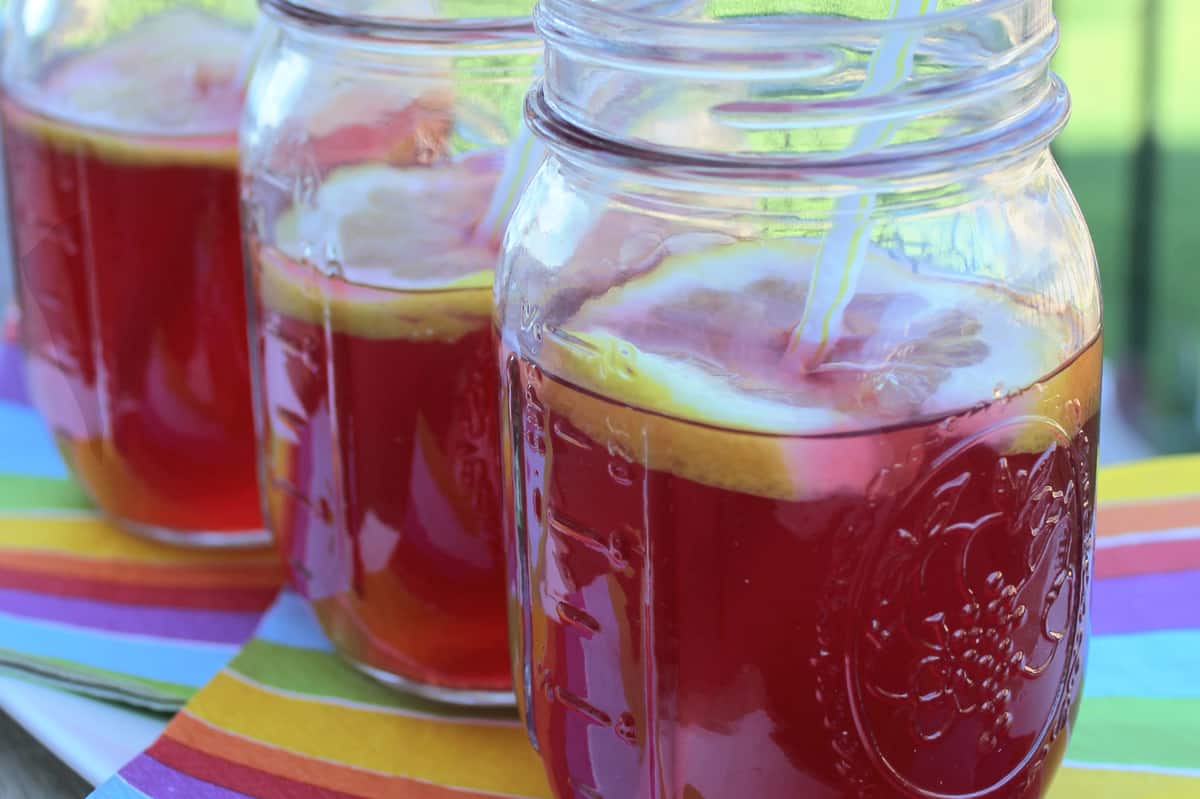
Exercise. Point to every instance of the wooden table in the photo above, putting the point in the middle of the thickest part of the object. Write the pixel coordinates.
(28, 771)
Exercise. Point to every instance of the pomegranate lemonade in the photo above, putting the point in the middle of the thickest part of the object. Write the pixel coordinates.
(126, 239)
(709, 606)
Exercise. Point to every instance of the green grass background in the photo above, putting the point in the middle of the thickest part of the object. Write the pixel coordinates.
(1101, 57)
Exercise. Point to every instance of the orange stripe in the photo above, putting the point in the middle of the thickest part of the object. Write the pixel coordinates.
(191, 731)
(1147, 515)
(248, 575)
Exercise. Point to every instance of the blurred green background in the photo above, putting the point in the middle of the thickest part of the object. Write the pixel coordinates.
(1132, 154)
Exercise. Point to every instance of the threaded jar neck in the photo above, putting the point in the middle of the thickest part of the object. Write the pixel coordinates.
(806, 82)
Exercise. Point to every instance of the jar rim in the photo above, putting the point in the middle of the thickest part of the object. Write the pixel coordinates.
(797, 174)
(588, 24)
(319, 15)
(816, 90)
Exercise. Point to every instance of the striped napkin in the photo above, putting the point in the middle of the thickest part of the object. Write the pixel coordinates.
(106, 614)
(89, 608)
(286, 718)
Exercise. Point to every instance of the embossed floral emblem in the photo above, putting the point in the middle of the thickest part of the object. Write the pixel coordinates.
(965, 625)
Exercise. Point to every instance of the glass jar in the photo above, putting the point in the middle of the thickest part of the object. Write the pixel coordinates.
(120, 131)
(380, 162)
(800, 354)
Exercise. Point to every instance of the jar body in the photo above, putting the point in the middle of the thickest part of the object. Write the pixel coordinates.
(716, 592)
(370, 181)
(799, 455)
(120, 148)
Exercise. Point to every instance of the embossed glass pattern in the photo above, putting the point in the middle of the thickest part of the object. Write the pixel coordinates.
(800, 370)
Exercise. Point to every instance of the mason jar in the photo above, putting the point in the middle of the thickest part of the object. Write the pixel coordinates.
(120, 134)
(380, 161)
(800, 368)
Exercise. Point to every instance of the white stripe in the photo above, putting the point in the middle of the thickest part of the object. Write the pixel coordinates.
(1151, 537)
(1170, 771)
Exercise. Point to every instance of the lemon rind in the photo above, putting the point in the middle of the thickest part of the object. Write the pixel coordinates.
(675, 417)
(447, 313)
(142, 149)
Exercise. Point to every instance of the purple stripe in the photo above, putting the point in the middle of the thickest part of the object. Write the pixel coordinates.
(12, 376)
(1146, 602)
(188, 624)
(156, 779)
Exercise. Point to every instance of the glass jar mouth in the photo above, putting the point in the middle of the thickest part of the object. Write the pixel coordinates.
(791, 174)
(657, 29)
(323, 16)
(801, 83)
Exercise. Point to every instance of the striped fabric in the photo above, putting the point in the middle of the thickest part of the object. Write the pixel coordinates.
(105, 613)
(287, 719)
(89, 608)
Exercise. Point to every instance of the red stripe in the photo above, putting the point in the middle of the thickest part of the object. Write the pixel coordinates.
(232, 598)
(1151, 557)
(235, 776)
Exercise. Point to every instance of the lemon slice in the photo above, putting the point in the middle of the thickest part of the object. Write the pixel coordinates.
(696, 346)
(397, 252)
(167, 90)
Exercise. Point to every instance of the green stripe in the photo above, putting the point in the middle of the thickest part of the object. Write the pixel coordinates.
(21, 492)
(1131, 730)
(155, 689)
(324, 674)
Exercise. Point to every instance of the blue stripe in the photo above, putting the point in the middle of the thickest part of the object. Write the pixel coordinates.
(25, 445)
(1158, 665)
(118, 788)
(149, 658)
(291, 622)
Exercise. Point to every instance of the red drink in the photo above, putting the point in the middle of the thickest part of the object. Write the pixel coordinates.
(879, 610)
(127, 247)
(379, 421)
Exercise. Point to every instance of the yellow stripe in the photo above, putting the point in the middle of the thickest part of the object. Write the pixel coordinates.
(1077, 783)
(1158, 478)
(449, 752)
(98, 539)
